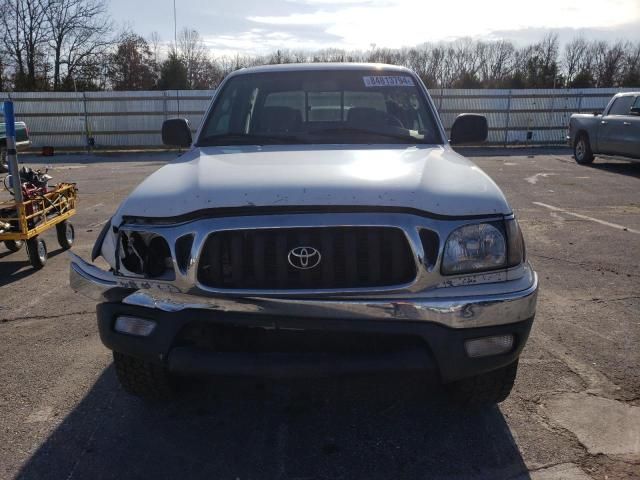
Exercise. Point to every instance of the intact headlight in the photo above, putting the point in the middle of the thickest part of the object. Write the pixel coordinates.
(474, 248)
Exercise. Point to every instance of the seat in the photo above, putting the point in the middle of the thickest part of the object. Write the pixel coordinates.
(279, 120)
(367, 118)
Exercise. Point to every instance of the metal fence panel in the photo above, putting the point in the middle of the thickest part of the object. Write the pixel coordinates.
(134, 119)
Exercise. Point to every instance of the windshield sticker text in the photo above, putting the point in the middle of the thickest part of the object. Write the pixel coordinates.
(388, 81)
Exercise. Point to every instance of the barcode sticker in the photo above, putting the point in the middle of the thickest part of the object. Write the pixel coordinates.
(388, 81)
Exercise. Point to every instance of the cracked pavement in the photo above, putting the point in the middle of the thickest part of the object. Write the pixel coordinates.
(574, 413)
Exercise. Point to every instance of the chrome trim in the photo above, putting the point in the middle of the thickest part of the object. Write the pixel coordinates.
(512, 301)
(89, 280)
(426, 277)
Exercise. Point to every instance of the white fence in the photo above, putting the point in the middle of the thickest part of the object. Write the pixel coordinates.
(134, 119)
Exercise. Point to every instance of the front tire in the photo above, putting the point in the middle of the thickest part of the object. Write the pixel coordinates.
(37, 250)
(582, 150)
(485, 389)
(143, 379)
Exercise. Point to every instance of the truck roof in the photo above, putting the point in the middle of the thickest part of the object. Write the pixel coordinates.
(626, 94)
(299, 67)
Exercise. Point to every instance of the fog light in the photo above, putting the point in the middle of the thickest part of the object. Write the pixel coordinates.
(483, 347)
(135, 326)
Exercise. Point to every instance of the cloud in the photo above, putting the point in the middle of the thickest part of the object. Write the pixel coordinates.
(261, 41)
(257, 27)
(397, 23)
(626, 32)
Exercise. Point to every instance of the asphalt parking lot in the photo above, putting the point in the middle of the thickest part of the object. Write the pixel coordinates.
(574, 412)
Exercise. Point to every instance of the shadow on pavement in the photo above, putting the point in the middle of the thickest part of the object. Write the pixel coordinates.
(228, 428)
(17, 265)
(631, 169)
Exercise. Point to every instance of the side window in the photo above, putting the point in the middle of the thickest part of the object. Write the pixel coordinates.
(231, 116)
(219, 122)
(636, 104)
(621, 106)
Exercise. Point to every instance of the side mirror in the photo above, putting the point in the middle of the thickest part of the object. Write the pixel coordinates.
(176, 132)
(469, 128)
(635, 111)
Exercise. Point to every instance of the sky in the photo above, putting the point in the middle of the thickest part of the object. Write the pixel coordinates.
(256, 27)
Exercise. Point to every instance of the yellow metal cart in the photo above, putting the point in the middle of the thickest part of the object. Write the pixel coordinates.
(22, 222)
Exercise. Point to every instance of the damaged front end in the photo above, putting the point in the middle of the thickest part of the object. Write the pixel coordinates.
(214, 264)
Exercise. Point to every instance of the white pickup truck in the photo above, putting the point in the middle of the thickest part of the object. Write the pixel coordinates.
(320, 223)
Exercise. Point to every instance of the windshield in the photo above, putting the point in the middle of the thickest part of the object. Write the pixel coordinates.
(321, 107)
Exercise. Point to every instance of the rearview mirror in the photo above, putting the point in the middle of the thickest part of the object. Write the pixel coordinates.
(176, 132)
(469, 128)
(635, 111)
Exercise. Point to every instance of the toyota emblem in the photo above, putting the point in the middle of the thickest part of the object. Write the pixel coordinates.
(304, 258)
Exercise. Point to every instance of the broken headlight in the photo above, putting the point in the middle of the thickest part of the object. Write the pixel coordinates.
(145, 254)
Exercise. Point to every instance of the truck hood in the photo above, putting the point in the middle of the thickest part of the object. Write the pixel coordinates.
(433, 179)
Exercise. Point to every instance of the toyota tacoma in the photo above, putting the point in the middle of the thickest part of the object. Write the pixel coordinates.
(319, 224)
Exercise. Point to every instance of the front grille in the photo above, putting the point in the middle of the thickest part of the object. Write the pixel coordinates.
(350, 257)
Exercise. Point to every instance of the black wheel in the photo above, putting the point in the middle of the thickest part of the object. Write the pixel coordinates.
(143, 379)
(582, 150)
(37, 250)
(14, 245)
(66, 234)
(486, 389)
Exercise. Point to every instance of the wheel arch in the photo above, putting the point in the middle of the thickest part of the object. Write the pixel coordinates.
(579, 133)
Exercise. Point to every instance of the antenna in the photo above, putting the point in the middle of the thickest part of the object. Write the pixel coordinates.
(175, 47)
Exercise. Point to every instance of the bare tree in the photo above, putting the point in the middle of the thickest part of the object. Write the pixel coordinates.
(610, 67)
(631, 73)
(3, 67)
(500, 63)
(25, 36)
(155, 43)
(79, 34)
(193, 53)
(574, 58)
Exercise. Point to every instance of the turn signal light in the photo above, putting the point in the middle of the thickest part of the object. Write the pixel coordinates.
(486, 346)
(139, 327)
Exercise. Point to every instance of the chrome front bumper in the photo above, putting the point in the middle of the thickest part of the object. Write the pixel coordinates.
(455, 307)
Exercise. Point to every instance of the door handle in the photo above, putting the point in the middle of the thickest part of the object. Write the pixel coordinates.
(604, 122)
(628, 124)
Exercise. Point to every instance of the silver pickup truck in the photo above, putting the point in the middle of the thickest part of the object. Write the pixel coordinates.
(320, 223)
(615, 132)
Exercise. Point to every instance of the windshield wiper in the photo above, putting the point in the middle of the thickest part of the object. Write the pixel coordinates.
(248, 139)
(355, 130)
